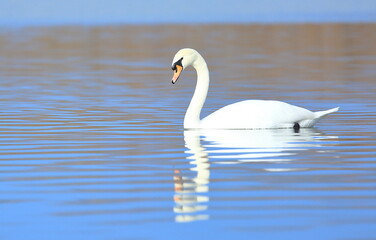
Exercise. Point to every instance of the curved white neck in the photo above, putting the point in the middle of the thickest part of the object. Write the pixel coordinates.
(192, 116)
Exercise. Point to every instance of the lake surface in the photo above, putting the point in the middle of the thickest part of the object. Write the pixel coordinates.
(92, 144)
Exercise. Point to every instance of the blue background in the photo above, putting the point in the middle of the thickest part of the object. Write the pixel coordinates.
(89, 12)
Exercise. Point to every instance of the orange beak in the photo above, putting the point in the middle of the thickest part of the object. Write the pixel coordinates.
(177, 73)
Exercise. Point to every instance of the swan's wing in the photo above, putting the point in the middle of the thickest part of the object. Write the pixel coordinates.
(253, 114)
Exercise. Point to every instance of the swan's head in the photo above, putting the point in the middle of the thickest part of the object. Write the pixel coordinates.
(183, 58)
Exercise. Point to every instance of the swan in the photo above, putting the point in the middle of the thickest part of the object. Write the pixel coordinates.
(247, 114)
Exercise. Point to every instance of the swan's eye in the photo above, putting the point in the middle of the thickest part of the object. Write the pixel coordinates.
(177, 63)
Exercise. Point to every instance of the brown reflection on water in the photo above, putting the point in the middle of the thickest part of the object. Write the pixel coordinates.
(226, 41)
(273, 55)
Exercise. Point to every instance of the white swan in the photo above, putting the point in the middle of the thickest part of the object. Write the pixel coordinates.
(248, 114)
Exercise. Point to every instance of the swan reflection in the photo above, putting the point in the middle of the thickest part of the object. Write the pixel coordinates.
(232, 147)
(190, 192)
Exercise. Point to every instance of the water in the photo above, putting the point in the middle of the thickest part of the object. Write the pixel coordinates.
(92, 144)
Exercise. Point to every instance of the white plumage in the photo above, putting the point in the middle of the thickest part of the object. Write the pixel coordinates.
(248, 114)
(259, 114)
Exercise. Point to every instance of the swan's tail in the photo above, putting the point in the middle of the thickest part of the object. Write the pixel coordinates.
(321, 114)
(317, 116)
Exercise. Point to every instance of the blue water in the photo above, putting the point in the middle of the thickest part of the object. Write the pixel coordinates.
(92, 144)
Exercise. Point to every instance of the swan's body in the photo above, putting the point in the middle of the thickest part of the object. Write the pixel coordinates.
(248, 114)
(262, 114)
